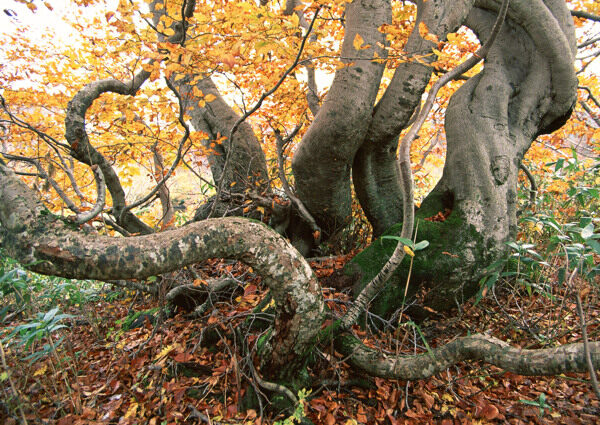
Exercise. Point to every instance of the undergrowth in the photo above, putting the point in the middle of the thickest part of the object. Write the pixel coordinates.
(77, 351)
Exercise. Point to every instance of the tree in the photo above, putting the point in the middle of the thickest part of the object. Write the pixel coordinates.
(352, 138)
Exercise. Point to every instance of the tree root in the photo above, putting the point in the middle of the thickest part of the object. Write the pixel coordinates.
(547, 361)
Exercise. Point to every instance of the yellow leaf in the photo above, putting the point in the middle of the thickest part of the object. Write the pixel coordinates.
(40, 371)
(271, 304)
(423, 30)
(452, 37)
(164, 352)
(209, 97)
(409, 251)
(358, 42)
(131, 411)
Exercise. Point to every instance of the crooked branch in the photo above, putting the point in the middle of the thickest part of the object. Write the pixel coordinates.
(380, 280)
(257, 106)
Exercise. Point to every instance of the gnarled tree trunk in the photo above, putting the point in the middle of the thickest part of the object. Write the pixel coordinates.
(491, 121)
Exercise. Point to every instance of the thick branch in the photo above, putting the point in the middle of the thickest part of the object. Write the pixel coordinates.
(380, 280)
(83, 151)
(548, 361)
(47, 245)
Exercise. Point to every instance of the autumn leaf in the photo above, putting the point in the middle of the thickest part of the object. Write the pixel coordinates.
(358, 43)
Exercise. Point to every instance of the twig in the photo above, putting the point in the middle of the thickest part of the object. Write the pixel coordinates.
(306, 215)
(586, 345)
(12, 384)
(256, 107)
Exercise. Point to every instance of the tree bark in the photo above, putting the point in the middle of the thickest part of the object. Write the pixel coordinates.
(48, 245)
(322, 164)
(491, 121)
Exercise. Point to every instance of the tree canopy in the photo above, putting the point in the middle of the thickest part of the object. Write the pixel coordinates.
(156, 134)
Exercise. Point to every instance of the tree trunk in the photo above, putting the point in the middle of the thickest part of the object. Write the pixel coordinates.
(375, 170)
(47, 244)
(491, 121)
(323, 161)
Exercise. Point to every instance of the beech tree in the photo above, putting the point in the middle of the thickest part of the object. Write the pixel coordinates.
(382, 57)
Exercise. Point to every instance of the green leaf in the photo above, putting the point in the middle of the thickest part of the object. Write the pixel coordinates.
(421, 245)
(595, 245)
(50, 314)
(587, 231)
(404, 241)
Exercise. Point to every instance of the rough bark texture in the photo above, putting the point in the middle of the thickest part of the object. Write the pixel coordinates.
(490, 123)
(48, 245)
(549, 361)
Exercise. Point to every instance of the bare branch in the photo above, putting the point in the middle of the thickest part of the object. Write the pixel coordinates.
(585, 15)
(258, 105)
(306, 215)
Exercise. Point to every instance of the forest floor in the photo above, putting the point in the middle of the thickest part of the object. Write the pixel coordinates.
(168, 370)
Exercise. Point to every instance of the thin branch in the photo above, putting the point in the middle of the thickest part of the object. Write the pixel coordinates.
(380, 280)
(19, 122)
(312, 96)
(591, 113)
(590, 95)
(585, 15)
(306, 215)
(589, 42)
(84, 217)
(532, 189)
(586, 345)
(44, 175)
(182, 142)
(256, 107)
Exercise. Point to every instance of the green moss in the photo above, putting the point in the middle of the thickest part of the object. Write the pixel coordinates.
(439, 264)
